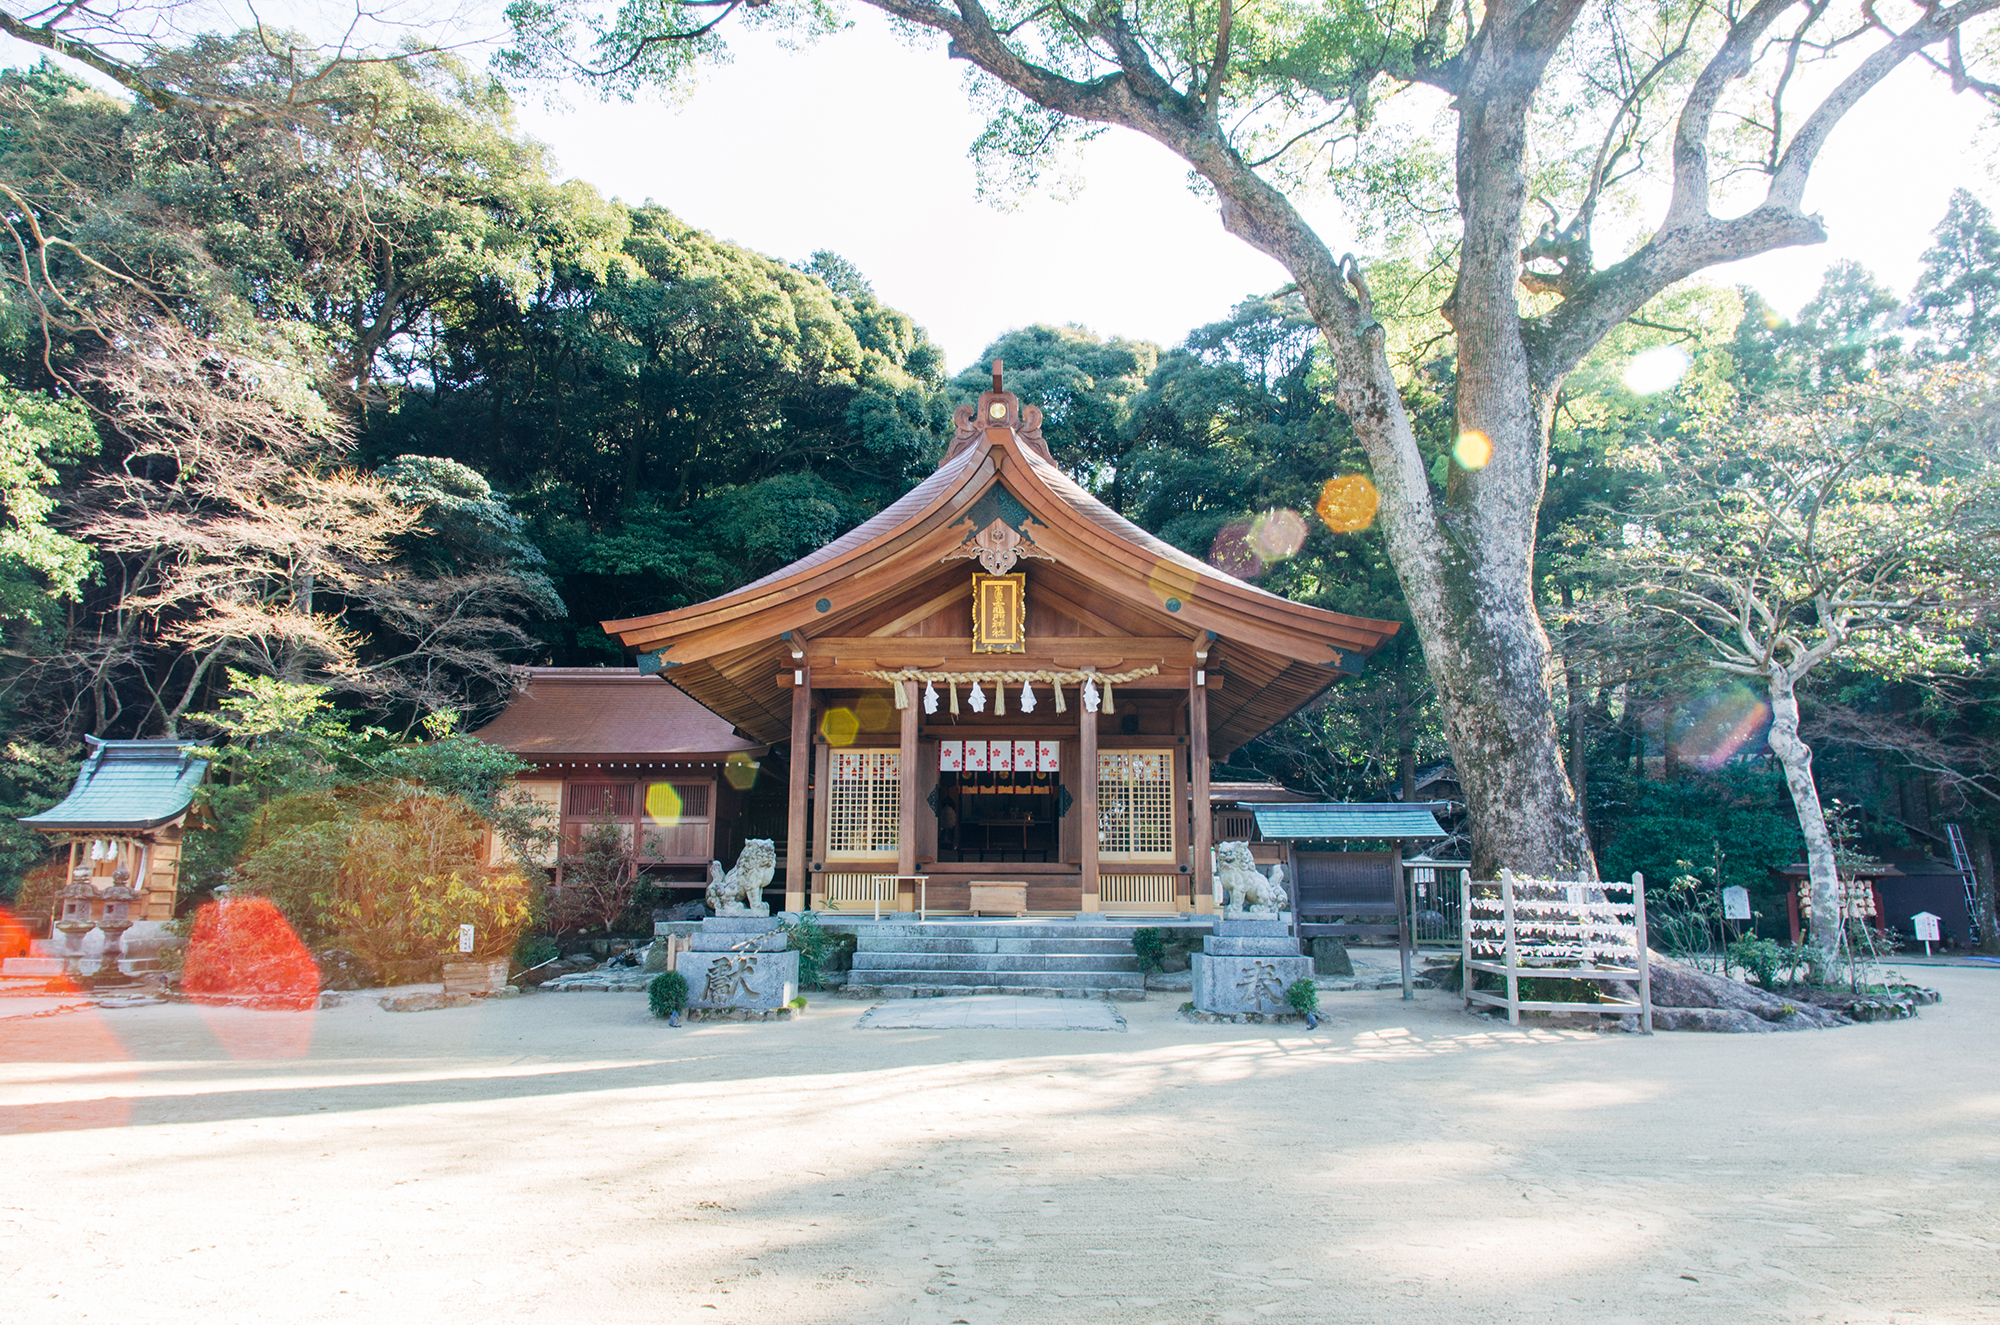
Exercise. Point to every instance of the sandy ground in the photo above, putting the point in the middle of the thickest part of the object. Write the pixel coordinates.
(567, 1158)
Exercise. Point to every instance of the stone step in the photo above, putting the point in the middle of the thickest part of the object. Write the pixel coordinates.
(1108, 948)
(862, 991)
(1040, 961)
(980, 977)
(983, 929)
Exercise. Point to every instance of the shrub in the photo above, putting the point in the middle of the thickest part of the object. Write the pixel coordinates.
(1760, 959)
(1149, 946)
(667, 994)
(534, 949)
(245, 951)
(1303, 995)
(818, 948)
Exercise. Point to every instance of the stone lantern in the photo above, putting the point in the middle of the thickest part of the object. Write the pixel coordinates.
(114, 918)
(79, 901)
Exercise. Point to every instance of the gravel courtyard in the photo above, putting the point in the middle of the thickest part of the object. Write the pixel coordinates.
(567, 1158)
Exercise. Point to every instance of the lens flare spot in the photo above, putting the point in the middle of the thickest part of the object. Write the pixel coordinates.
(663, 803)
(1278, 534)
(243, 952)
(1232, 554)
(839, 726)
(875, 713)
(740, 771)
(1347, 504)
(1730, 722)
(1171, 582)
(1473, 450)
(1652, 371)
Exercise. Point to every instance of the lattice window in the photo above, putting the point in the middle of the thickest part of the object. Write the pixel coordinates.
(864, 805)
(1135, 798)
(676, 802)
(591, 800)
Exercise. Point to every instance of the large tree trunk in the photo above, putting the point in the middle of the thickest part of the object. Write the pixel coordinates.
(1796, 757)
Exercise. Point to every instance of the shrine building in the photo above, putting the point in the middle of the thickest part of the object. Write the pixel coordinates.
(995, 679)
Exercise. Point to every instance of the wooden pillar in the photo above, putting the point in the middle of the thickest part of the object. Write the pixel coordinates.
(906, 828)
(798, 829)
(1199, 844)
(1086, 800)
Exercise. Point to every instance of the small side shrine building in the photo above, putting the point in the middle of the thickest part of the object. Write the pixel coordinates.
(1000, 679)
(606, 743)
(127, 812)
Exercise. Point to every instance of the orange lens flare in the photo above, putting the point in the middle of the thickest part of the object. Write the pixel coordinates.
(1347, 504)
(244, 953)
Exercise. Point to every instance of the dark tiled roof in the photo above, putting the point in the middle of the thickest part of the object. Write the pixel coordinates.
(573, 712)
(127, 786)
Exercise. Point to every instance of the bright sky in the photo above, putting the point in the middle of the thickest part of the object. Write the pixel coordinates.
(859, 144)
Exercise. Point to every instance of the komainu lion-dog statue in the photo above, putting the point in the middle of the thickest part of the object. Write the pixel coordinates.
(1245, 891)
(741, 891)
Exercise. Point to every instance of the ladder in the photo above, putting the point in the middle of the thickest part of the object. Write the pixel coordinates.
(1961, 860)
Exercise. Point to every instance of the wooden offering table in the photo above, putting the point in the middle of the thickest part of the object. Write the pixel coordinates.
(994, 895)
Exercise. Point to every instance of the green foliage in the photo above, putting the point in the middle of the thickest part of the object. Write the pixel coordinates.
(820, 950)
(1149, 947)
(535, 949)
(1958, 295)
(1760, 959)
(1303, 995)
(32, 778)
(1741, 814)
(667, 993)
(39, 566)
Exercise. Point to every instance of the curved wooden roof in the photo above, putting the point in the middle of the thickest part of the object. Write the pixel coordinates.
(885, 590)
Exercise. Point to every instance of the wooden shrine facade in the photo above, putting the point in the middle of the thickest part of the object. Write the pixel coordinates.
(999, 679)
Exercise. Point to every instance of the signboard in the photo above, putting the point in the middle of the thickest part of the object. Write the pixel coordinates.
(1000, 613)
(1927, 927)
(1736, 904)
(465, 938)
(951, 756)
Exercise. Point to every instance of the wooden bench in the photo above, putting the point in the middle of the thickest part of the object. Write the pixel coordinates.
(997, 895)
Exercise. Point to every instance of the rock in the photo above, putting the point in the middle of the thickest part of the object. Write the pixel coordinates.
(657, 957)
(341, 969)
(1329, 956)
(1676, 985)
(685, 911)
(1174, 960)
(1710, 1019)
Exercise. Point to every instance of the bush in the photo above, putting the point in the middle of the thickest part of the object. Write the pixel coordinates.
(1149, 945)
(1759, 959)
(534, 949)
(819, 950)
(1303, 995)
(667, 994)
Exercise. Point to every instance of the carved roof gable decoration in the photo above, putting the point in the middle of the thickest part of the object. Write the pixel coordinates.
(996, 546)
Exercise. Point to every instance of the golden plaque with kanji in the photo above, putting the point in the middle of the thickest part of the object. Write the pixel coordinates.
(1000, 613)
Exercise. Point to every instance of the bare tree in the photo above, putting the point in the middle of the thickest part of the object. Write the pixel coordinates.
(1834, 529)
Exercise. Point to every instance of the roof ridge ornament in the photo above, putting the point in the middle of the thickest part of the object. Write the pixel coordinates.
(998, 409)
(997, 547)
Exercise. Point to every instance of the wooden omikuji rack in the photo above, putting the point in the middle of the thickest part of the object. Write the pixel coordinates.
(1549, 929)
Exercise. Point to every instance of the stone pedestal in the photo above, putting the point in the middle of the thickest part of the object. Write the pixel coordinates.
(1246, 966)
(740, 962)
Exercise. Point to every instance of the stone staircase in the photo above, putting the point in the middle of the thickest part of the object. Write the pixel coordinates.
(1056, 959)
